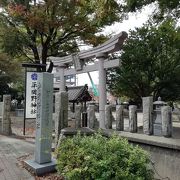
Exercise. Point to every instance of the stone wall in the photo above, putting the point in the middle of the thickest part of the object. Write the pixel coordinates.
(166, 161)
(164, 152)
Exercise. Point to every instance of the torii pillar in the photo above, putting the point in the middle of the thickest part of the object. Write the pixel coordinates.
(102, 89)
(62, 78)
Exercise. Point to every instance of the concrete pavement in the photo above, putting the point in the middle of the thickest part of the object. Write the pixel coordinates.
(10, 150)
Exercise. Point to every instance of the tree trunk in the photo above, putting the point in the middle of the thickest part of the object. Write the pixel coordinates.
(44, 56)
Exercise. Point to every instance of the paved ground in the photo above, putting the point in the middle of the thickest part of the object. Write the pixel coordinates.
(10, 150)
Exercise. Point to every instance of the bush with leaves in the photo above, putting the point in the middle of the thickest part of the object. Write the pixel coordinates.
(98, 157)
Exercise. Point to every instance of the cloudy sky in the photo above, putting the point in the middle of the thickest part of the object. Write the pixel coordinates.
(134, 20)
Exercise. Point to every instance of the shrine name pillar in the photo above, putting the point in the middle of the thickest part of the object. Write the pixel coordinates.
(62, 78)
(102, 89)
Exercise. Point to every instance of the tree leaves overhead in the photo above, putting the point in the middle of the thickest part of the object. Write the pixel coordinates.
(166, 7)
(9, 73)
(150, 64)
(54, 26)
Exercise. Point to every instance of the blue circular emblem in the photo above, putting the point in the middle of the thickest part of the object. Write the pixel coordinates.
(34, 76)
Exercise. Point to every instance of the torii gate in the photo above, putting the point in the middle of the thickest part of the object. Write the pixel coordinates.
(79, 61)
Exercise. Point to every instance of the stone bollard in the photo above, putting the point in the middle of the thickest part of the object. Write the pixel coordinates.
(78, 111)
(1, 109)
(166, 113)
(148, 115)
(119, 118)
(61, 111)
(133, 118)
(6, 120)
(91, 116)
(96, 125)
(108, 117)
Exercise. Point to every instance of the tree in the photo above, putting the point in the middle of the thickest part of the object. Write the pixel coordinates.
(150, 64)
(39, 29)
(9, 73)
(165, 7)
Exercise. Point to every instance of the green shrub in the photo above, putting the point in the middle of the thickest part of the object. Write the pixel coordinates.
(101, 158)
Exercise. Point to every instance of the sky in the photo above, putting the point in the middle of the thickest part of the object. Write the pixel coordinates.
(134, 20)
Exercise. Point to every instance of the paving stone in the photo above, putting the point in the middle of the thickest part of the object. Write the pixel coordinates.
(10, 150)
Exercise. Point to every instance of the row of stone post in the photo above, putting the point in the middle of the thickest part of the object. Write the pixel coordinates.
(62, 116)
(120, 118)
(91, 118)
(5, 120)
(148, 118)
(166, 118)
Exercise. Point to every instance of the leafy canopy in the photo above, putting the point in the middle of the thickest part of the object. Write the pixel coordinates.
(38, 29)
(165, 7)
(150, 64)
(9, 73)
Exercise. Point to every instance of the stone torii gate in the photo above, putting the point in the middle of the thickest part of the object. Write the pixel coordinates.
(79, 61)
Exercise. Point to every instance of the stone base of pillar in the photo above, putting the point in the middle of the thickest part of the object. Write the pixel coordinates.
(73, 131)
(41, 169)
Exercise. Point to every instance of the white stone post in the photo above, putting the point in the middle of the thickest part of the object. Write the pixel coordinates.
(91, 116)
(166, 113)
(6, 120)
(44, 118)
(148, 115)
(78, 111)
(61, 113)
(102, 89)
(62, 78)
(119, 118)
(133, 118)
(43, 163)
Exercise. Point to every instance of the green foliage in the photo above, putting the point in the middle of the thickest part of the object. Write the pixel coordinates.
(38, 29)
(9, 73)
(165, 7)
(150, 64)
(98, 157)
